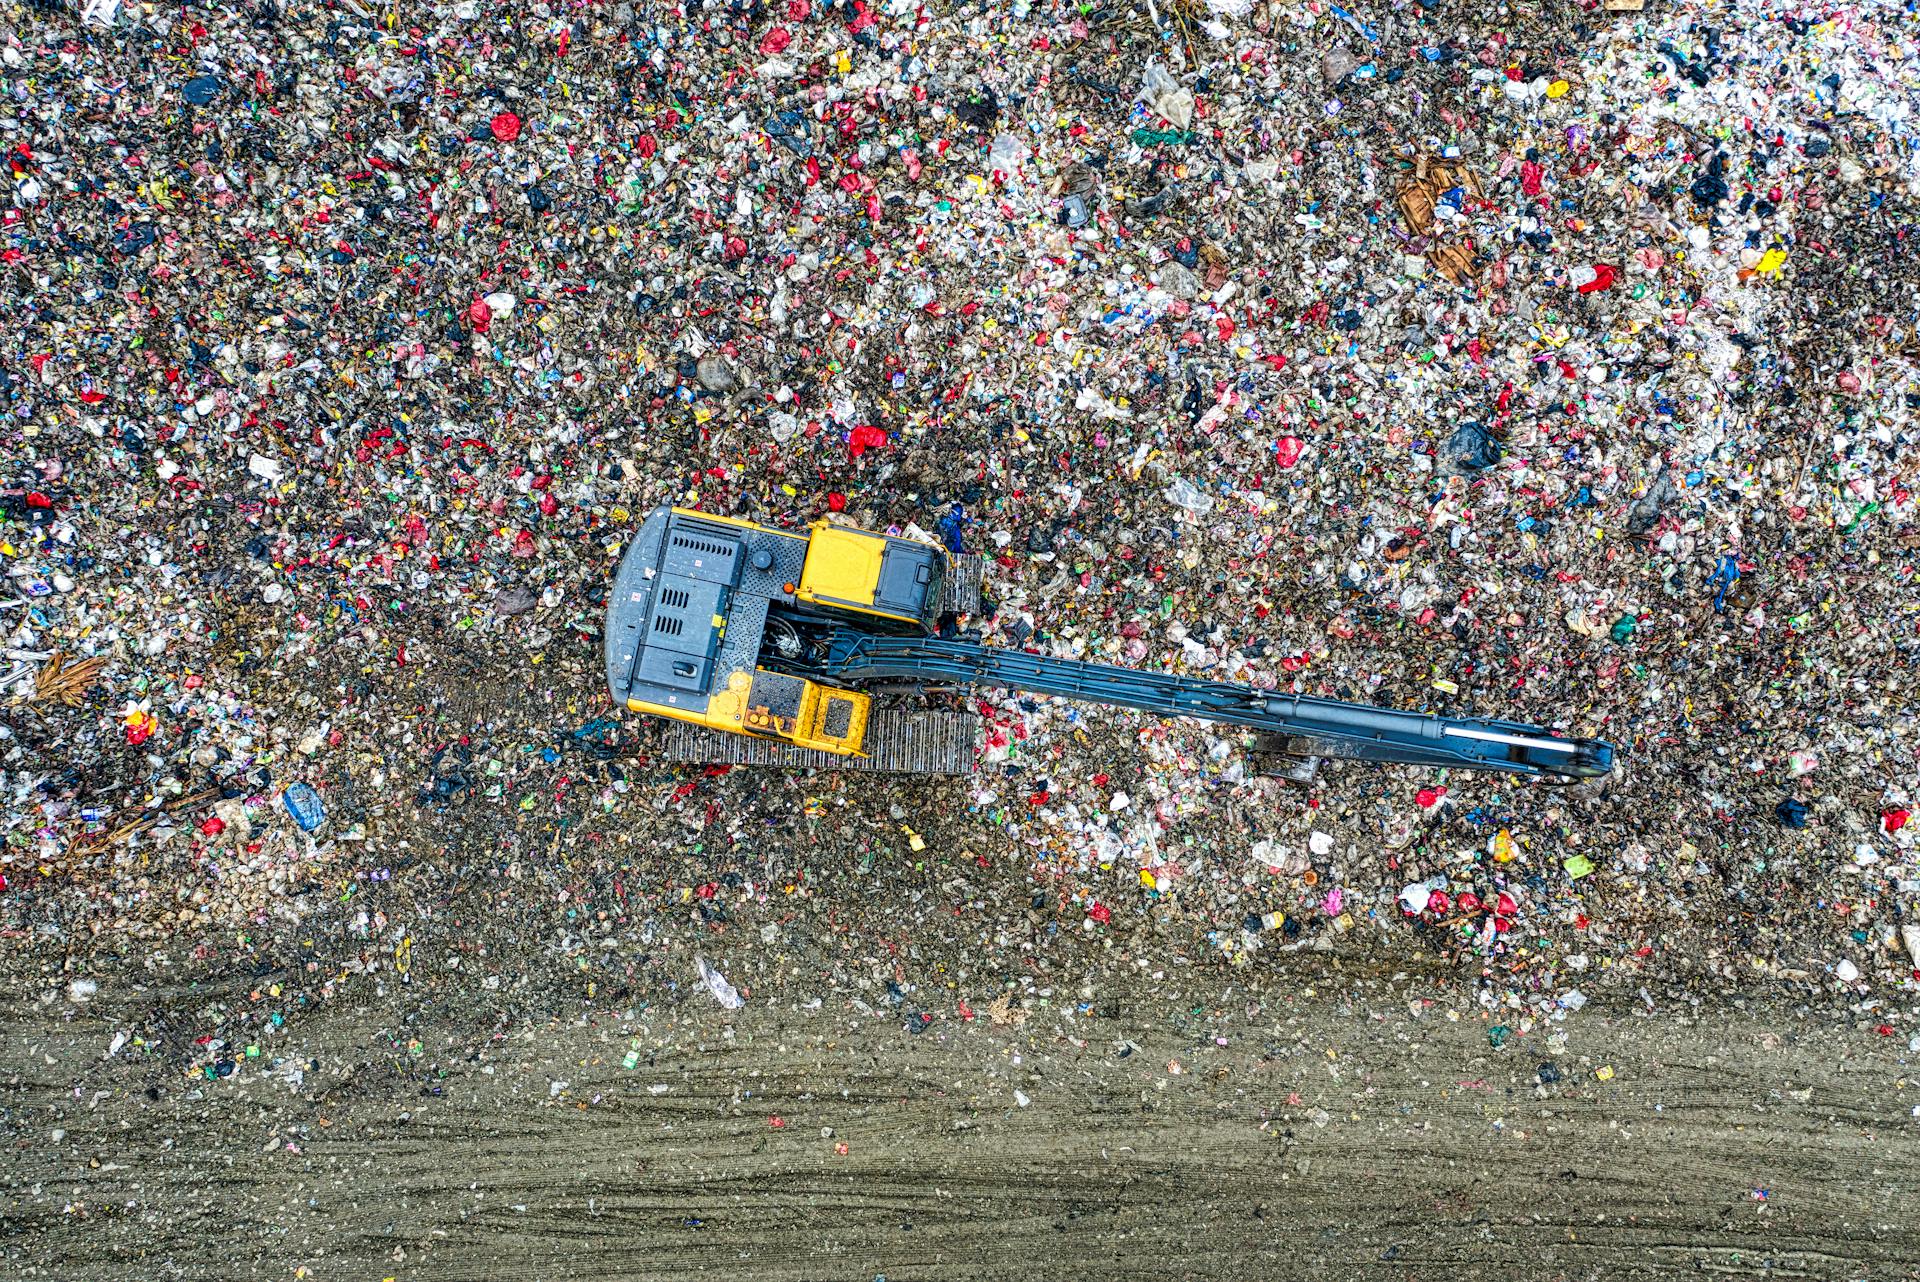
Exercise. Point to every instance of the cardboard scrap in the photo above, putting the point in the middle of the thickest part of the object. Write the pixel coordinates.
(1432, 178)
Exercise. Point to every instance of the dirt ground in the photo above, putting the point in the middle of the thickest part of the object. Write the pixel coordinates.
(1286, 1126)
(499, 1061)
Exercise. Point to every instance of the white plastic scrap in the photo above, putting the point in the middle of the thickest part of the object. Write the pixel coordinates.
(723, 992)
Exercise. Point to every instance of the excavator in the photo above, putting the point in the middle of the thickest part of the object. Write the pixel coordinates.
(824, 648)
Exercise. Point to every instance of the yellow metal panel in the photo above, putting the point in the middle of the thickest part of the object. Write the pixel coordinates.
(814, 709)
(761, 719)
(726, 708)
(697, 716)
(843, 566)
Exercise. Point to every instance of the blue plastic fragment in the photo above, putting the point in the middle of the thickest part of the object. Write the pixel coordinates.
(1360, 25)
(303, 803)
(951, 527)
(1723, 578)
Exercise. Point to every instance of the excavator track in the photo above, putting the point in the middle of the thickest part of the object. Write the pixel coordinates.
(898, 741)
(961, 593)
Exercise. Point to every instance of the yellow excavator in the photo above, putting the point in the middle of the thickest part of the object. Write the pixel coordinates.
(764, 646)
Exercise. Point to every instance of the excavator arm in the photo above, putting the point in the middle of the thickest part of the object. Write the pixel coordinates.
(1334, 729)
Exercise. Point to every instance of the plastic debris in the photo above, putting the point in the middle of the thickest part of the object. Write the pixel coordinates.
(717, 984)
(304, 804)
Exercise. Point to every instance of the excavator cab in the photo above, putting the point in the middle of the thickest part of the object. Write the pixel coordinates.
(893, 584)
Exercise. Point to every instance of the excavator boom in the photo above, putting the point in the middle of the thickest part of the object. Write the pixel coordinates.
(1334, 729)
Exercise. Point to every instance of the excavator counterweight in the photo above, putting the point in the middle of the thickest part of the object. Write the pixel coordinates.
(769, 647)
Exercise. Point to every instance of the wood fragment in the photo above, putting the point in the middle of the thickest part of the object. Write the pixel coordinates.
(66, 682)
(97, 843)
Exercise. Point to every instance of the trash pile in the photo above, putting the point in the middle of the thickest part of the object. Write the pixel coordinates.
(1558, 366)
